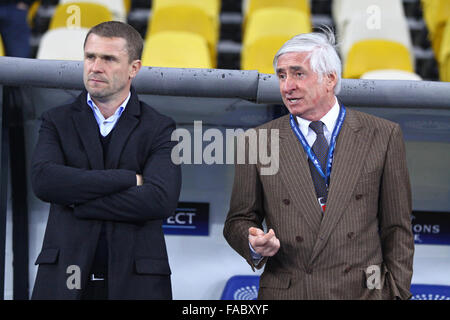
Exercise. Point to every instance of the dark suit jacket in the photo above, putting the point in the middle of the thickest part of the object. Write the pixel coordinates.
(69, 171)
(366, 222)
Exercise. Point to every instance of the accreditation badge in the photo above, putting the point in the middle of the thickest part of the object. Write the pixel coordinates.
(322, 202)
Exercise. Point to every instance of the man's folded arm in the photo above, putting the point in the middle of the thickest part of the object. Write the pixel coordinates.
(55, 182)
(156, 199)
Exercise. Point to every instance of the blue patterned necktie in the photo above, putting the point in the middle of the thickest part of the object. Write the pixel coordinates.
(320, 148)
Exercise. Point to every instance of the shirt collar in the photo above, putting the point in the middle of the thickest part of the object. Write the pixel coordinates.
(328, 119)
(119, 110)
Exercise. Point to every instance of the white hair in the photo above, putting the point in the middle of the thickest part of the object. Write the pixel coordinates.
(323, 56)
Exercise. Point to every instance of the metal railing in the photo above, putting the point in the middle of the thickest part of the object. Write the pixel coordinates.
(221, 83)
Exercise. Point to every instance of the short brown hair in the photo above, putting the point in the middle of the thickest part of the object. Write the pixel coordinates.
(119, 29)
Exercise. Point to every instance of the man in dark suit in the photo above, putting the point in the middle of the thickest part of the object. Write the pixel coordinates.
(103, 162)
(338, 210)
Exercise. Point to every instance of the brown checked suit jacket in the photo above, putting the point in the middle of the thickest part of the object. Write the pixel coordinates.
(361, 247)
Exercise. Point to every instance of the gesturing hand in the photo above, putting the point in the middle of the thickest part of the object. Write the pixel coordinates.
(266, 244)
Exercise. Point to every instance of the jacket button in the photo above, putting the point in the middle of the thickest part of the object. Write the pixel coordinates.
(350, 235)
(299, 238)
(358, 196)
(308, 270)
(286, 201)
(347, 270)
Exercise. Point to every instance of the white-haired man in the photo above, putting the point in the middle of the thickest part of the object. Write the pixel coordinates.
(338, 210)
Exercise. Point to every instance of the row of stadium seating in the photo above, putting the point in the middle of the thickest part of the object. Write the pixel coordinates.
(374, 34)
(172, 30)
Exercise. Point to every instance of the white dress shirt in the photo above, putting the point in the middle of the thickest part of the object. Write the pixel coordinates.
(329, 120)
(106, 125)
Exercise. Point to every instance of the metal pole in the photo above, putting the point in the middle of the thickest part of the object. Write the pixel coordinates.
(247, 85)
(373, 93)
(4, 147)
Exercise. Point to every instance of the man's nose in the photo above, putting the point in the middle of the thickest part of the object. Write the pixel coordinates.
(96, 65)
(289, 85)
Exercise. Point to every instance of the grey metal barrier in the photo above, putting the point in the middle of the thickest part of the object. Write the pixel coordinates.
(217, 83)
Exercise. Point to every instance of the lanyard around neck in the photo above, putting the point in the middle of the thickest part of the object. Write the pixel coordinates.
(310, 152)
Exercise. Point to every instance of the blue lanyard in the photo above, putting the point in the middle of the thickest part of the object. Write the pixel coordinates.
(310, 152)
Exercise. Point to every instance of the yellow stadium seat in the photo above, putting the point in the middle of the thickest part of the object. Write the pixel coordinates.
(2, 49)
(127, 4)
(436, 13)
(116, 7)
(212, 7)
(32, 12)
(368, 55)
(390, 28)
(187, 18)
(79, 15)
(253, 5)
(444, 57)
(259, 55)
(267, 30)
(176, 49)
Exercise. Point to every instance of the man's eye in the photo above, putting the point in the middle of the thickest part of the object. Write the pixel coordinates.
(281, 76)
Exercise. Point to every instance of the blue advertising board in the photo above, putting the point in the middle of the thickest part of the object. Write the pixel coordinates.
(431, 227)
(190, 218)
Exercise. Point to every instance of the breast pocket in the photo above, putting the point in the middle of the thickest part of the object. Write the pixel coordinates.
(365, 198)
(368, 183)
(47, 256)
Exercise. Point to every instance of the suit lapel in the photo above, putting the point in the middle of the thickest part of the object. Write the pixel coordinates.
(295, 174)
(349, 156)
(88, 131)
(126, 124)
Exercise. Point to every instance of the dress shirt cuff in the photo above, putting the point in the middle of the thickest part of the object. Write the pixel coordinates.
(255, 255)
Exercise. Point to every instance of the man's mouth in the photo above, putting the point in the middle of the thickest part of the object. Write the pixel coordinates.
(96, 79)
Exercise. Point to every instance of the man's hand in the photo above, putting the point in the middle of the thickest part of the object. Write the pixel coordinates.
(139, 180)
(266, 244)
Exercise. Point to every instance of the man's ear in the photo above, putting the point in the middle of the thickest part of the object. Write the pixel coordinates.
(135, 67)
(331, 81)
